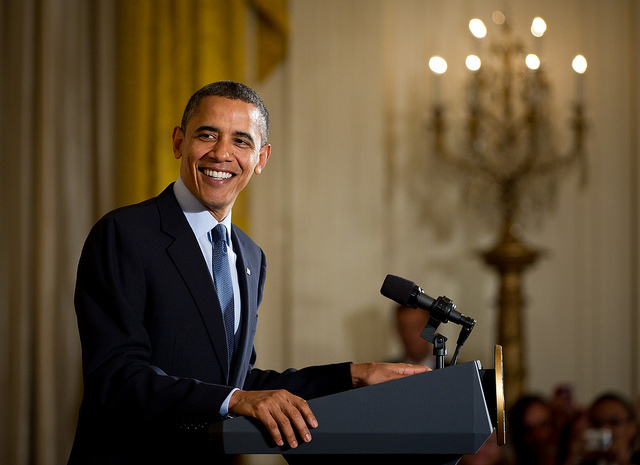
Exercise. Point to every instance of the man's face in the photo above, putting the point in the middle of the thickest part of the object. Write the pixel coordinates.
(613, 415)
(538, 426)
(220, 151)
(411, 322)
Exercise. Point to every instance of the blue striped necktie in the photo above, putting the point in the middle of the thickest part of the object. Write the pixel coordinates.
(224, 286)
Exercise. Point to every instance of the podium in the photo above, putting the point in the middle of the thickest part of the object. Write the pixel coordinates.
(430, 418)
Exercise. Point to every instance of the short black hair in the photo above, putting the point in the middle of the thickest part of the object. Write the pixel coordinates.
(615, 397)
(234, 91)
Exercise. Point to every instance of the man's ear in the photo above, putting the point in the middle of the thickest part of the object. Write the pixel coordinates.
(178, 139)
(265, 153)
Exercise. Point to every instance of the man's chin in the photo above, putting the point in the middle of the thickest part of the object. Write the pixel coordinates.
(218, 209)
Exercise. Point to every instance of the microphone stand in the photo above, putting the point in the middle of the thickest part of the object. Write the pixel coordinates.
(439, 349)
(438, 341)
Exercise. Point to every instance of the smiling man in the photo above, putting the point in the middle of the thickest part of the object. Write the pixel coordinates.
(167, 299)
(221, 142)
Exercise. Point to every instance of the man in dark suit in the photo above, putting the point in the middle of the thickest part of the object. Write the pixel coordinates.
(155, 354)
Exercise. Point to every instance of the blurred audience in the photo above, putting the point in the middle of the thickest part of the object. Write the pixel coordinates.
(558, 432)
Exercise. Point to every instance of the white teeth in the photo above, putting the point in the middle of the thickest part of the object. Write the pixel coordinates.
(217, 174)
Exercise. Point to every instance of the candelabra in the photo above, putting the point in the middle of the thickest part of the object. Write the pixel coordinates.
(510, 164)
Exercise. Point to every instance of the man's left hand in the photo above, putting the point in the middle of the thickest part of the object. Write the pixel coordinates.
(365, 374)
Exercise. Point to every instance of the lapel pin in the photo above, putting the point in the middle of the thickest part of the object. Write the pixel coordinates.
(248, 271)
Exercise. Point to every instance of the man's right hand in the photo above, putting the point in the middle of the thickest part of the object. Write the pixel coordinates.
(280, 411)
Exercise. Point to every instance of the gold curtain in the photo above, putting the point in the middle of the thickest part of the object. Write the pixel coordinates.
(167, 50)
(273, 31)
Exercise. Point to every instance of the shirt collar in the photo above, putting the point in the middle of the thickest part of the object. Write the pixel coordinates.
(200, 219)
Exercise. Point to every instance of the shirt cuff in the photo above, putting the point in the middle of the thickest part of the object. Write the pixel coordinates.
(224, 408)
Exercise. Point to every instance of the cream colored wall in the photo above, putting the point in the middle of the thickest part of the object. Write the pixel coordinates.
(352, 193)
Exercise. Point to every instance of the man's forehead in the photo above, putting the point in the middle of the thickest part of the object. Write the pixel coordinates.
(232, 111)
(214, 103)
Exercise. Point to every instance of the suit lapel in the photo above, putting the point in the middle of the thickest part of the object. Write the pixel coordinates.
(187, 257)
(248, 267)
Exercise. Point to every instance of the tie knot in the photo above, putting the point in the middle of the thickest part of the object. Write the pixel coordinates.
(220, 233)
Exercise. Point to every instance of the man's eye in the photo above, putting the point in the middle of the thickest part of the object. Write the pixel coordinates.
(206, 136)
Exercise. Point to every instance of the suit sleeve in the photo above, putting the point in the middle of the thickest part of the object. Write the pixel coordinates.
(308, 383)
(112, 302)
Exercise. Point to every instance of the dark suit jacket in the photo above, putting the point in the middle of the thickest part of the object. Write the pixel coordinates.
(153, 340)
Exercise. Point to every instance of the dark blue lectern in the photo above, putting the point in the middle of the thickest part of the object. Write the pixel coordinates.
(430, 418)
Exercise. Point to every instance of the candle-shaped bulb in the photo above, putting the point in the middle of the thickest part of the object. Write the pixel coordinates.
(579, 64)
(438, 64)
(532, 61)
(473, 63)
(538, 27)
(477, 28)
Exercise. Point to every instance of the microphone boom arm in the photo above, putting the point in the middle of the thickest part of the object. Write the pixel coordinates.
(440, 312)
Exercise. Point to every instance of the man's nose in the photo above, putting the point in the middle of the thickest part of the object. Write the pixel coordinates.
(222, 150)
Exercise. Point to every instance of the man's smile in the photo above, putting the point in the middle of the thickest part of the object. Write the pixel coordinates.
(216, 174)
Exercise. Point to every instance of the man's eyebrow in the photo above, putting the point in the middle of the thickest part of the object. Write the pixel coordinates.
(242, 134)
(207, 129)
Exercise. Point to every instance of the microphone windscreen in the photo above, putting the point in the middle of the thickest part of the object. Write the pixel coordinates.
(397, 289)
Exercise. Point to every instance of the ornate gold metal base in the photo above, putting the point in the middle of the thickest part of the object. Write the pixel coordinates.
(510, 257)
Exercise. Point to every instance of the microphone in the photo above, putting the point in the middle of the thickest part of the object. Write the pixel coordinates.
(407, 293)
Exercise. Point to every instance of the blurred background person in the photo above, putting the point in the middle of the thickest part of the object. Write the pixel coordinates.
(534, 435)
(606, 434)
(409, 323)
(563, 406)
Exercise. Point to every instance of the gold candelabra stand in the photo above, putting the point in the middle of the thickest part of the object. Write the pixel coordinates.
(510, 165)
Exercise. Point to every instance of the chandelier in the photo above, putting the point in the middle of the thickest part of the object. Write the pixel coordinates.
(509, 158)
